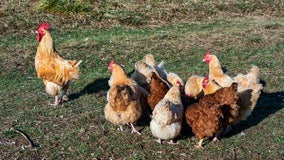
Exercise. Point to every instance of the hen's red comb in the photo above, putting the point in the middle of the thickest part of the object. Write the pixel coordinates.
(205, 79)
(43, 25)
(178, 82)
(111, 63)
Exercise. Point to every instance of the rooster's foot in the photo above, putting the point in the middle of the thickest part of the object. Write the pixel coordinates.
(63, 99)
(56, 102)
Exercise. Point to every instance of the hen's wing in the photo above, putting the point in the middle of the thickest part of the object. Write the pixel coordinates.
(162, 113)
(120, 96)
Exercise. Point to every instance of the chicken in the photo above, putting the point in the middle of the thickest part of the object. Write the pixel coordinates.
(56, 72)
(142, 74)
(248, 84)
(193, 87)
(249, 93)
(209, 86)
(149, 60)
(249, 80)
(158, 89)
(215, 71)
(167, 116)
(247, 102)
(144, 69)
(123, 106)
(172, 78)
(212, 113)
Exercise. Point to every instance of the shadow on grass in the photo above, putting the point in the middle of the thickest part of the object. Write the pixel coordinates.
(268, 104)
(99, 86)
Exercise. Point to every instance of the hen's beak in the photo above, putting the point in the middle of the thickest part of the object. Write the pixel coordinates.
(36, 32)
(203, 60)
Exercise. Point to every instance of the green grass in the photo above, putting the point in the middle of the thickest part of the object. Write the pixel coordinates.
(241, 33)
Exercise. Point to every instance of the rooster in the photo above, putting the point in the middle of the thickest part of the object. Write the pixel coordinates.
(167, 116)
(123, 98)
(56, 72)
(212, 113)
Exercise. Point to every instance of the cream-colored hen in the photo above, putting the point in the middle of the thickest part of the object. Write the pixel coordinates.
(167, 116)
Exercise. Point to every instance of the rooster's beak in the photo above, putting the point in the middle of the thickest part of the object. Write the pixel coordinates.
(203, 60)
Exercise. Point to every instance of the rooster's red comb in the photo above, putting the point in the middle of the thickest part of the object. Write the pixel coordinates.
(43, 25)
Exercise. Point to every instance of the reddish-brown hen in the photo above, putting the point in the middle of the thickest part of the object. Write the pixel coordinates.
(213, 112)
(158, 89)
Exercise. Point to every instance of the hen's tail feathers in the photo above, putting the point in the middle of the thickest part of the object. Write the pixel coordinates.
(255, 95)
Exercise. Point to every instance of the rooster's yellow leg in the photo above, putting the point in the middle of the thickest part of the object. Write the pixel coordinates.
(56, 101)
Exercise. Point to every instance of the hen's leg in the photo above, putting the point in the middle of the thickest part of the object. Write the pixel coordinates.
(227, 130)
(56, 101)
(120, 128)
(134, 129)
(199, 145)
(215, 139)
(159, 140)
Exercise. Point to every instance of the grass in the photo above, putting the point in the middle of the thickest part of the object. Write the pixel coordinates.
(241, 33)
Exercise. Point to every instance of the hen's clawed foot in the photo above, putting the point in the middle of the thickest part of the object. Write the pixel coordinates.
(134, 130)
(215, 139)
(159, 141)
(172, 142)
(199, 145)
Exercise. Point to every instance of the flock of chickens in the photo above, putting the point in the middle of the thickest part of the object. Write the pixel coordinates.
(207, 104)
